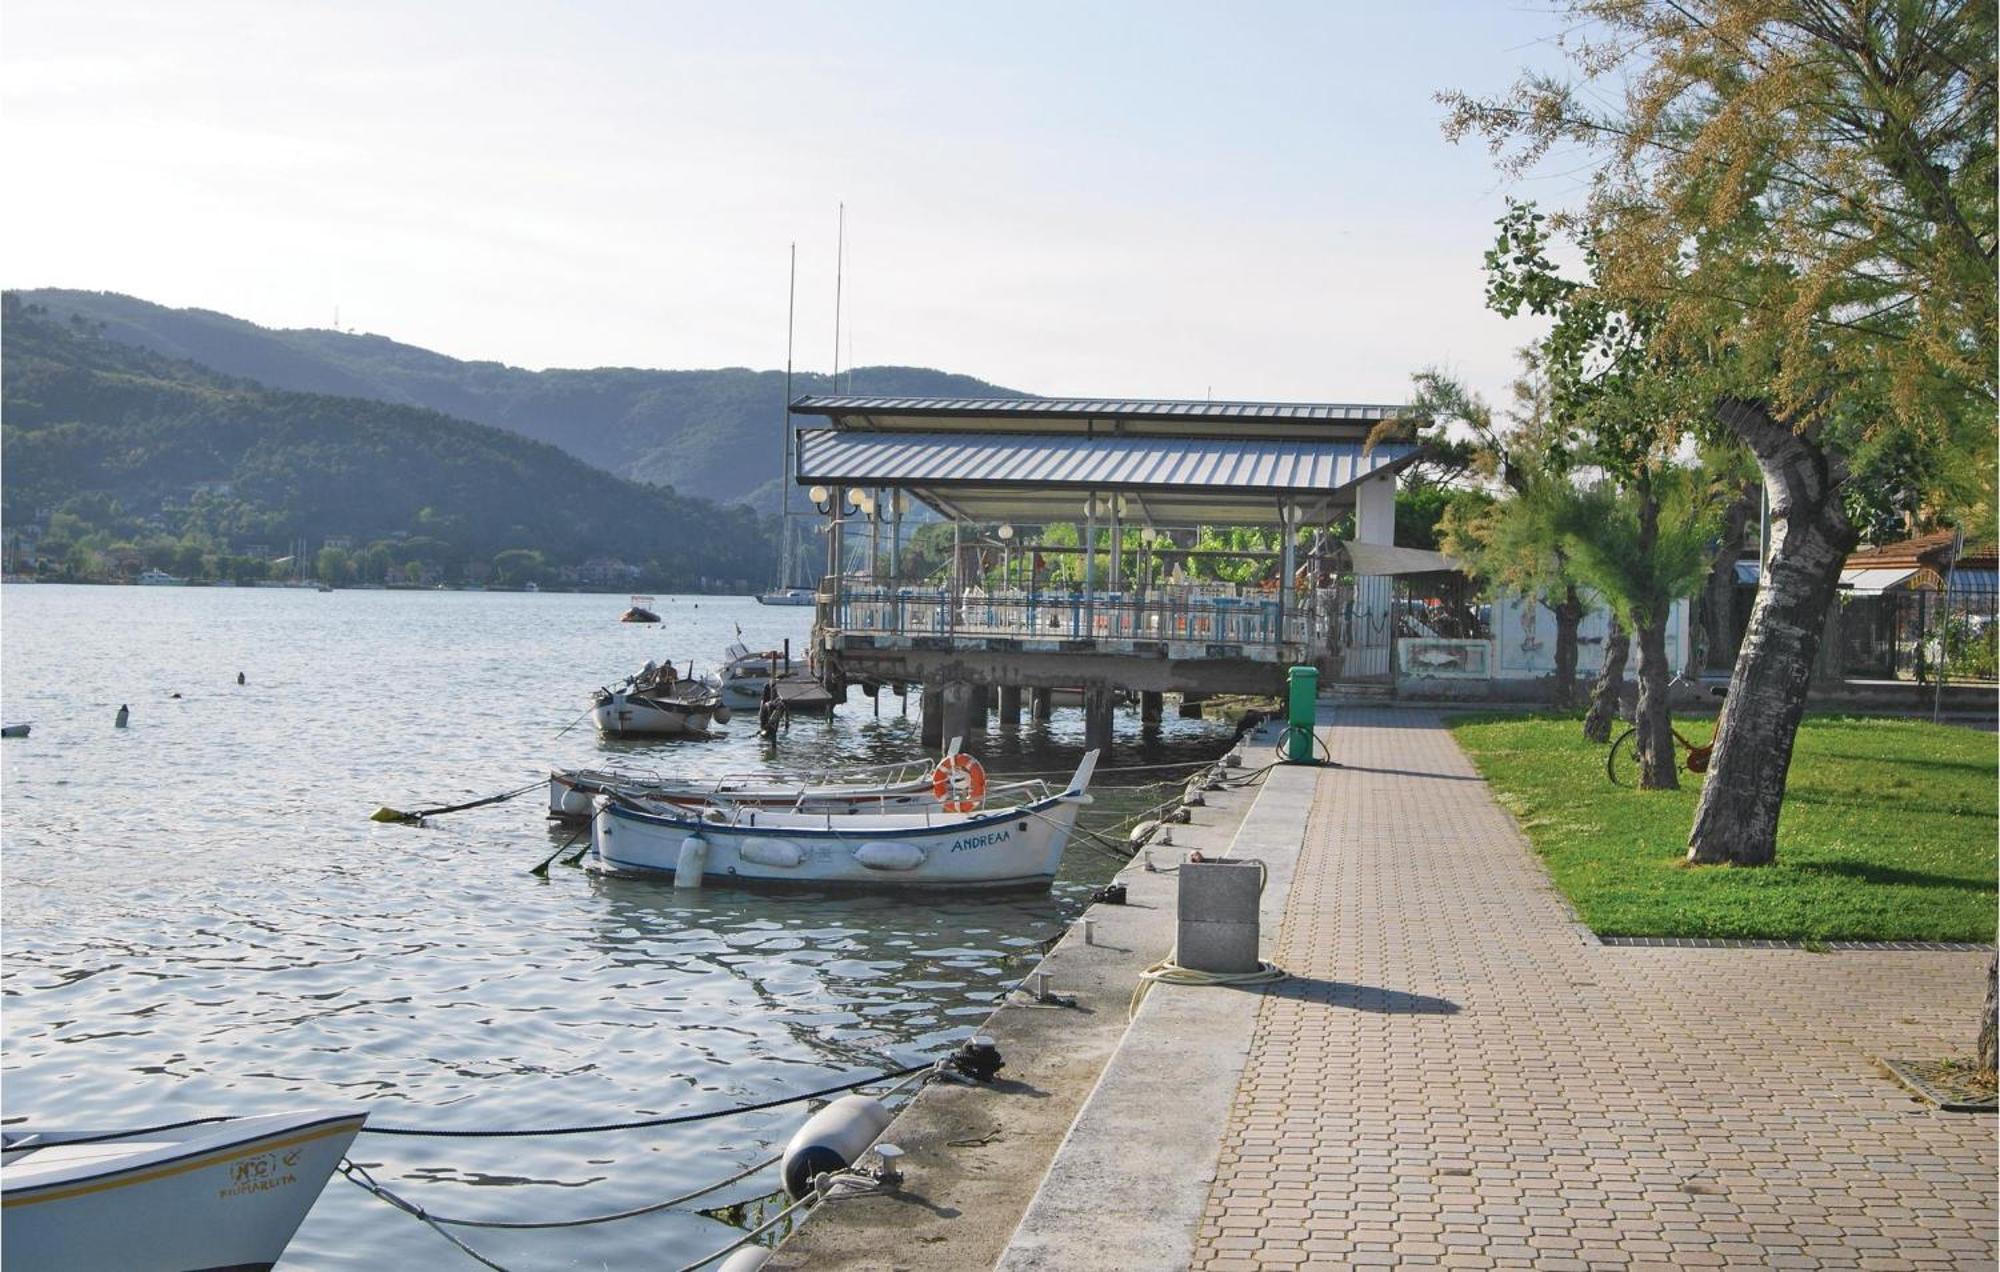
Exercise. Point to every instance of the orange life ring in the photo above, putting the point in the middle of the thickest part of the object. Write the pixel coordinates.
(959, 782)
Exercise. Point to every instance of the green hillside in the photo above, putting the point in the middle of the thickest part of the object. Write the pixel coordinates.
(714, 433)
(122, 454)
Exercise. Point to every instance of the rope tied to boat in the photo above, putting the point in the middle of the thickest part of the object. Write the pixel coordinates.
(401, 818)
(975, 1061)
(358, 1174)
(677, 1119)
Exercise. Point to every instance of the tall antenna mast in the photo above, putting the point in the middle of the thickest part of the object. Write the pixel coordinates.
(839, 264)
(785, 487)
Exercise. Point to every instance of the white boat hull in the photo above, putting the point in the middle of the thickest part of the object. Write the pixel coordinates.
(1012, 848)
(228, 1195)
(573, 794)
(621, 714)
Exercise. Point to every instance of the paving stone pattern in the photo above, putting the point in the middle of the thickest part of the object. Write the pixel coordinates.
(1459, 1077)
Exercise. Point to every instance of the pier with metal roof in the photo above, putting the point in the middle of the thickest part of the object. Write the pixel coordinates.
(1033, 597)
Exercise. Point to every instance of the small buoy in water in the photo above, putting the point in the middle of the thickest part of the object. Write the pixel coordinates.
(832, 1140)
(240, 680)
(124, 716)
(173, 695)
(722, 715)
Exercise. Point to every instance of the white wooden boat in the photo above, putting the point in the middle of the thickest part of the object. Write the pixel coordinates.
(226, 1194)
(902, 787)
(1008, 848)
(631, 712)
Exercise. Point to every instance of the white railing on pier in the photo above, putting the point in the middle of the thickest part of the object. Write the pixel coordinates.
(1243, 618)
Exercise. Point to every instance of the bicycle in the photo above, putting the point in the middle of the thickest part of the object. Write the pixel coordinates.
(1621, 762)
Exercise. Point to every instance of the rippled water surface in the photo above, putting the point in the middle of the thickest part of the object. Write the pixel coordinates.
(200, 918)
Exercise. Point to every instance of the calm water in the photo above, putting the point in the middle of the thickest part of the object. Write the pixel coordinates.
(199, 917)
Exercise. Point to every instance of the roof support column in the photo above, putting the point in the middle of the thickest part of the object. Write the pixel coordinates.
(1375, 510)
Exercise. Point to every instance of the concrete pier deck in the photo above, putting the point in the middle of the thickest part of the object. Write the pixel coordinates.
(1459, 1075)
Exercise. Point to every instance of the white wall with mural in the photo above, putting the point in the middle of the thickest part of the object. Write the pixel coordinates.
(1524, 640)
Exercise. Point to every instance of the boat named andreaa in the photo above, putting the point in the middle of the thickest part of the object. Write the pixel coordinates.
(913, 784)
(226, 1193)
(1017, 848)
(641, 612)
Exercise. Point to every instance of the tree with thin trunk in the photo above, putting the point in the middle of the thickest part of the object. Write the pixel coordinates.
(1803, 193)
(1643, 544)
(1989, 1021)
(1506, 537)
(1610, 679)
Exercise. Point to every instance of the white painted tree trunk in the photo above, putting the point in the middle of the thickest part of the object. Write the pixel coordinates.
(1737, 820)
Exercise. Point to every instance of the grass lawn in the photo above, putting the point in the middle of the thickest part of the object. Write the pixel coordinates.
(1888, 833)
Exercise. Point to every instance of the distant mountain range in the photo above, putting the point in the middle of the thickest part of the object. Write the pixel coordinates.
(125, 456)
(709, 433)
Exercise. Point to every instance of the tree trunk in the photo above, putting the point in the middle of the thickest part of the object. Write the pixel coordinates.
(1569, 613)
(1610, 679)
(1737, 820)
(1649, 616)
(1717, 625)
(1657, 768)
(1989, 1020)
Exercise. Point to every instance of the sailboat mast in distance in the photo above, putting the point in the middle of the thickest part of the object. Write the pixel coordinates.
(785, 432)
(839, 265)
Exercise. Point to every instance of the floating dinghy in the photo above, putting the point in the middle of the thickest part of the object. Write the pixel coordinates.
(14, 730)
(225, 1194)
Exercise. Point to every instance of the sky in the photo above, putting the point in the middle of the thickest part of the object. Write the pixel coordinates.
(1243, 200)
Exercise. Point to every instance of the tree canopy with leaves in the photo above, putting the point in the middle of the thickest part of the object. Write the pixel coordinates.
(1797, 198)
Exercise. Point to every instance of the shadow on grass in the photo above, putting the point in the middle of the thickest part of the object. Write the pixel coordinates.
(1926, 762)
(1389, 1002)
(1912, 799)
(1868, 872)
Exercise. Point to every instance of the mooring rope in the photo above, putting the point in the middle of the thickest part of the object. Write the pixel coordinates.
(678, 1119)
(351, 1170)
(386, 814)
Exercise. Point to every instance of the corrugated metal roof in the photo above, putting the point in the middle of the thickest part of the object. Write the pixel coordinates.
(1263, 465)
(1868, 582)
(1098, 408)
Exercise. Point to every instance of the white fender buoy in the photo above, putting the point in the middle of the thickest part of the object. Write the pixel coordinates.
(1143, 831)
(782, 853)
(747, 1259)
(722, 717)
(832, 1139)
(692, 862)
(890, 855)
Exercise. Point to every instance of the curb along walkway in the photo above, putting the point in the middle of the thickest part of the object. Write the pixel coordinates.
(1458, 1075)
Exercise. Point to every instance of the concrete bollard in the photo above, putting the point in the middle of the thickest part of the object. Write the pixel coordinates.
(1217, 929)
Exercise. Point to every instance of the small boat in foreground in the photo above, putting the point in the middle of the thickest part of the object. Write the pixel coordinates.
(641, 611)
(225, 1194)
(906, 787)
(1008, 848)
(15, 730)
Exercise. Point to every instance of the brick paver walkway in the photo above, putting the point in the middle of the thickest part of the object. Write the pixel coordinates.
(1460, 1078)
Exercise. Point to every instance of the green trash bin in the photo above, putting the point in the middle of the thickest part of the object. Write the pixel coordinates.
(1301, 712)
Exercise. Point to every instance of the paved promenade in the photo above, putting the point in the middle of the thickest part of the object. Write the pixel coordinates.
(1461, 1077)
